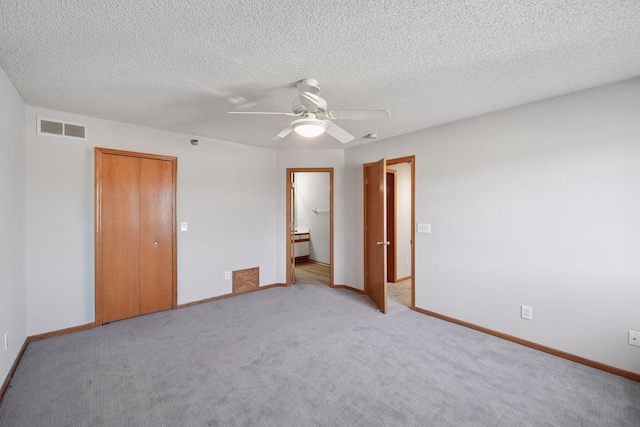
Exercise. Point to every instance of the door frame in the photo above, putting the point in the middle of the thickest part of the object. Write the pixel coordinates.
(289, 222)
(412, 161)
(98, 223)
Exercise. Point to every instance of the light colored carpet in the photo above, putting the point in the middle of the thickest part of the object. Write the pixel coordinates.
(304, 356)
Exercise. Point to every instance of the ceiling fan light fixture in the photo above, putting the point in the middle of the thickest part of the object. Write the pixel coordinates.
(309, 128)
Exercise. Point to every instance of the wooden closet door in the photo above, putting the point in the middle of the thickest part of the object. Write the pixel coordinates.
(156, 235)
(136, 260)
(120, 235)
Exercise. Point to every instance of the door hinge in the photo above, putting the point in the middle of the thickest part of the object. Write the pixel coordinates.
(293, 185)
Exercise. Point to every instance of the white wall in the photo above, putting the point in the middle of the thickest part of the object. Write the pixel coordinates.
(311, 159)
(226, 193)
(403, 219)
(536, 205)
(13, 294)
(313, 191)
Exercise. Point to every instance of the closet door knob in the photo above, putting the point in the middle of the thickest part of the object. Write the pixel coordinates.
(155, 243)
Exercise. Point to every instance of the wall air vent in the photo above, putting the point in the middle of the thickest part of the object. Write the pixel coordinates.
(58, 128)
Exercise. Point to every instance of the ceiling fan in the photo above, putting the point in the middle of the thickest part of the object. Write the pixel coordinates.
(314, 118)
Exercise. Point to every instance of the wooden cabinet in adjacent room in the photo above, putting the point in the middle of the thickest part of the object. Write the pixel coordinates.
(135, 204)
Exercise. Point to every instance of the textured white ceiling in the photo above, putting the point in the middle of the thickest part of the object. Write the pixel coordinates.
(181, 65)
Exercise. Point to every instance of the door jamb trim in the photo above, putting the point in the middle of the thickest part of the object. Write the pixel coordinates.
(289, 220)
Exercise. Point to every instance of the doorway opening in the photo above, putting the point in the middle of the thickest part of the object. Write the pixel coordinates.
(310, 226)
(399, 227)
(389, 218)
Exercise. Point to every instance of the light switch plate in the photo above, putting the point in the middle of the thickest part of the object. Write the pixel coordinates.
(424, 228)
(183, 226)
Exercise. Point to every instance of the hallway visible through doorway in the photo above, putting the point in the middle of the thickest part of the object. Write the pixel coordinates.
(312, 273)
(389, 218)
(400, 292)
(310, 226)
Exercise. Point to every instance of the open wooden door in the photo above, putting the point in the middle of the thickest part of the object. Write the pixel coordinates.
(375, 233)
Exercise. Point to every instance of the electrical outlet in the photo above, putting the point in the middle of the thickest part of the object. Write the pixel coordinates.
(634, 338)
(227, 275)
(183, 226)
(406, 261)
(6, 340)
(526, 312)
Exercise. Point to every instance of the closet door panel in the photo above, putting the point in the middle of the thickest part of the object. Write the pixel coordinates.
(156, 235)
(120, 237)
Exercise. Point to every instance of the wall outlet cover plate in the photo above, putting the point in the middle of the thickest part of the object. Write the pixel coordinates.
(526, 312)
(424, 228)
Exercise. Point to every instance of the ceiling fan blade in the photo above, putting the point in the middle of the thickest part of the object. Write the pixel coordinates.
(358, 115)
(263, 112)
(338, 133)
(286, 131)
